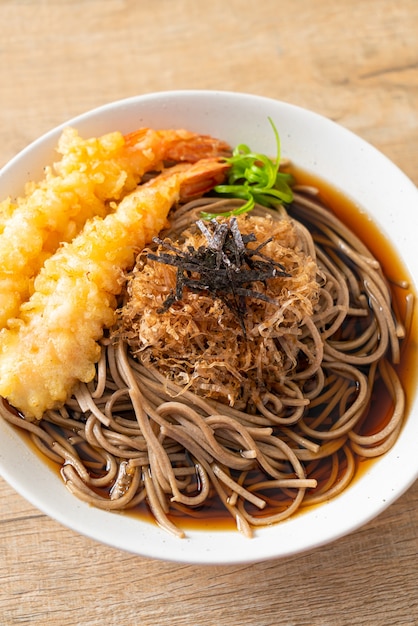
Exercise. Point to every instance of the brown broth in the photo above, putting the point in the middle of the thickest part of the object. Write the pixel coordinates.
(360, 223)
(367, 230)
(216, 517)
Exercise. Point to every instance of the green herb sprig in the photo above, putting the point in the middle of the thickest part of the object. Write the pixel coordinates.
(255, 178)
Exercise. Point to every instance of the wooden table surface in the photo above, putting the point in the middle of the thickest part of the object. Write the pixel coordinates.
(353, 61)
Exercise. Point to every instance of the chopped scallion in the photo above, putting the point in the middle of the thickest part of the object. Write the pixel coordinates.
(256, 179)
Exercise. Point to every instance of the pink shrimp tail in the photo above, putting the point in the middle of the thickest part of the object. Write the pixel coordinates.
(177, 145)
(202, 177)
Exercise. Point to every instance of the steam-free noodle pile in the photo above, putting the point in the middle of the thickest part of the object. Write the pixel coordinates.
(266, 420)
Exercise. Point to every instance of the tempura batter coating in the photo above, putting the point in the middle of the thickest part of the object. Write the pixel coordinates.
(54, 343)
(91, 175)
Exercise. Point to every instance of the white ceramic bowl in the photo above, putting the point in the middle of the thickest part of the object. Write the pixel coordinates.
(321, 147)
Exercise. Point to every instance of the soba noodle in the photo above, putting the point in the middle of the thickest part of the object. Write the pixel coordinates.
(136, 435)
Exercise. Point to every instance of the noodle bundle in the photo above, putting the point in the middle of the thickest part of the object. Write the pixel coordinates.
(199, 403)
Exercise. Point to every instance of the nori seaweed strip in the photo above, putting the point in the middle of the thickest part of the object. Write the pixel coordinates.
(225, 268)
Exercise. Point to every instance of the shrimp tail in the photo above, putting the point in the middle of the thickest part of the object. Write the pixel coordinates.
(198, 178)
(91, 175)
(176, 145)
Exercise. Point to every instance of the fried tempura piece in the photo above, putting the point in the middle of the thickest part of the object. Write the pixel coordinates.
(54, 343)
(91, 173)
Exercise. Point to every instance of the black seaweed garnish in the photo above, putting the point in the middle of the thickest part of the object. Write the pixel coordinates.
(225, 267)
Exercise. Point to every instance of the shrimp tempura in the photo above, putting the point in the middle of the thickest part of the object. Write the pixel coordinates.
(90, 175)
(54, 343)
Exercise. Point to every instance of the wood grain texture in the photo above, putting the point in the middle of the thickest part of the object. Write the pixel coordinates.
(355, 62)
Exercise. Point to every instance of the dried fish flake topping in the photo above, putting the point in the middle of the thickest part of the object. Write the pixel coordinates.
(220, 310)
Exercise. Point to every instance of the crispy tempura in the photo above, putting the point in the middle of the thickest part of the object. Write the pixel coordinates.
(54, 343)
(91, 175)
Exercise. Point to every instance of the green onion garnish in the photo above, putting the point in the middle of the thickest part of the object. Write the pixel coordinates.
(254, 178)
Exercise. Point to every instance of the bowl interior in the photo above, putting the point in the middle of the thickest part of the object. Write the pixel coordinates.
(318, 146)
